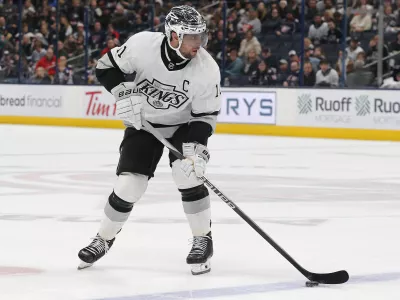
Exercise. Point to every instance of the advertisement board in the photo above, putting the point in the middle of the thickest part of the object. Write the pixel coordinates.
(332, 113)
(367, 109)
(97, 103)
(248, 107)
(16, 100)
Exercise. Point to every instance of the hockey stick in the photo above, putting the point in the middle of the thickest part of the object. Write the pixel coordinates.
(327, 278)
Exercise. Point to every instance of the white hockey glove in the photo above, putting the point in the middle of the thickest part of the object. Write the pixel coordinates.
(129, 103)
(197, 156)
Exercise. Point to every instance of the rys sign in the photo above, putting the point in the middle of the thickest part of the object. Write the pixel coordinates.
(248, 107)
(371, 109)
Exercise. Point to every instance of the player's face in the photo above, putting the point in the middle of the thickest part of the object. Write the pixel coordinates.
(191, 44)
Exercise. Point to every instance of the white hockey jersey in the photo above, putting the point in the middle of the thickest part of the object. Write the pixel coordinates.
(174, 94)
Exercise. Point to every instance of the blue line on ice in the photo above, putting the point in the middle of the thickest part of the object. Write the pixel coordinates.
(250, 289)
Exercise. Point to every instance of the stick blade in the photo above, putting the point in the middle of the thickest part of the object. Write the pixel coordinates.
(338, 277)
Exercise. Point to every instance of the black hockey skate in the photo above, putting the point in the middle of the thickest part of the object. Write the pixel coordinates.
(200, 254)
(96, 250)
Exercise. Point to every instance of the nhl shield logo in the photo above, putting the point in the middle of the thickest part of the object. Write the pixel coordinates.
(171, 66)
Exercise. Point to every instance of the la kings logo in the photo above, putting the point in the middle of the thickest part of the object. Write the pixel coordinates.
(160, 95)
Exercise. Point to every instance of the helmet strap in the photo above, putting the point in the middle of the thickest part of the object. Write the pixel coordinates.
(177, 51)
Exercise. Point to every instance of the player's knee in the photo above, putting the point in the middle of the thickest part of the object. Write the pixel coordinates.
(196, 193)
(130, 187)
(181, 180)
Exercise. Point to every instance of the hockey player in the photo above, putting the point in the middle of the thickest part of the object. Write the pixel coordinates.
(177, 90)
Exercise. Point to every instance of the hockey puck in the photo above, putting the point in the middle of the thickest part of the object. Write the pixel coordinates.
(311, 283)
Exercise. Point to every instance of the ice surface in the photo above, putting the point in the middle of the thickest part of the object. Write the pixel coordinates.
(331, 204)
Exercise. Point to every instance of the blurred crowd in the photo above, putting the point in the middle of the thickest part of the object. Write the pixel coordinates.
(264, 43)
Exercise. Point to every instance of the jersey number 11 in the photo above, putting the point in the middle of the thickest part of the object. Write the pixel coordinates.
(120, 51)
(218, 91)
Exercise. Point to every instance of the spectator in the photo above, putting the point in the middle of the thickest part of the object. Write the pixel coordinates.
(392, 82)
(395, 45)
(233, 41)
(48, 62)
(95, 12)
(139, 24)
(70, 46)
(40, 77)
(110, 45)
(311, 11)
(318, 30)
(334, 34)
(309, 56)
(112, 33)
(233, 21)
(283, 9)
(251, 63)
(263, 76)
(92, 79)
(157, 25)
(361, 22)
(329, 7)
(339, 64)
(353, 49)
(338, 19)
(360, 77)
(98, 37)
(120, 18)
(293, 78)
(288, 26)
(294, 9)
(28, 12)
(7, 64)
(10, 11)
(270, 60)
(64, 75)
(327, 76)
(45, 33)
(372, 55)
(26, 45)
(75, 13)
(253, 23)
(65, 28)
(60, 49)
(308, 74)
(273, 23)
(234, 64)
(262, 12)
(3, 27)
(370, 8)
(293, 56)
(215, 45)
(283, 72)
(80, 46)
(389, 19)
(38, 51)
(308, 43)
(248, 44)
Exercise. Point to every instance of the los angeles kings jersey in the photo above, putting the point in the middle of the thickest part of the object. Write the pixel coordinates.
(174, 94)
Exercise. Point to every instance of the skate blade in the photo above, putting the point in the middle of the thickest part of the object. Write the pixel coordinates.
(198, 269)
(84, 265)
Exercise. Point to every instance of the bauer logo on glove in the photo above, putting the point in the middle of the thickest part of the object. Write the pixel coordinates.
(129, 102)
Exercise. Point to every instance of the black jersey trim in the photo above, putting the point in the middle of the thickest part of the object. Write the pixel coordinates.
(170, 65)
(113, 61)
(165, 126)
(215, 113)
